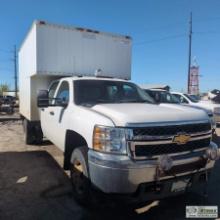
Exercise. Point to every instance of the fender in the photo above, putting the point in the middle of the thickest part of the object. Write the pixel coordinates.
(72, 141)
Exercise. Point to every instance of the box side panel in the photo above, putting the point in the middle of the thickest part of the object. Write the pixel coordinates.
(64, 51)
(25, 96)
(27, 54)
(27, 67)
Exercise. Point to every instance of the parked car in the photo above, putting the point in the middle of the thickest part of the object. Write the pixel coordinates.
(162, 96)
(10, 100)
(6, 109)
(165, 98)
(1, 99)
(195, 97)
(115, 139)
(214, 95)
(190, 100)
(6, 105)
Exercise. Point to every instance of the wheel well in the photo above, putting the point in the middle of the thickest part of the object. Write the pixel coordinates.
(72, 141)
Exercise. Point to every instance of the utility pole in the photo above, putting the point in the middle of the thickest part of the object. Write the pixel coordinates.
(190, 49)
(15, 71)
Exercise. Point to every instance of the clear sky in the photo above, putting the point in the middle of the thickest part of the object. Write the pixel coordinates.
(159, 30)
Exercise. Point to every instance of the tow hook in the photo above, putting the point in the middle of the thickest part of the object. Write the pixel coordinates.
(165, 163)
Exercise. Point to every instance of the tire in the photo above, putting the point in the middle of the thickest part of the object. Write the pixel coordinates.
(38, 135)
(32, 133)
(79, 175)
(28, 134)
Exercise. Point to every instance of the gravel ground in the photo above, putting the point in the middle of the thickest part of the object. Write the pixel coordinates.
(33, 185)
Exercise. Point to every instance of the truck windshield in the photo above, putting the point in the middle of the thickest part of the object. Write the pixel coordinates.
(92, 92)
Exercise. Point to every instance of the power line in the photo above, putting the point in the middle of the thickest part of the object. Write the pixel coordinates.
(173, 37)
(206, 32)
(160, 39)
(206, 19)
(177, 24)
(174, 25)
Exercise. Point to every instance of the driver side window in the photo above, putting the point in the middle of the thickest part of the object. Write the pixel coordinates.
(63, 93)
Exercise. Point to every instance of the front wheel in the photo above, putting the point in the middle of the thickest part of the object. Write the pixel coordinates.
(80, 176)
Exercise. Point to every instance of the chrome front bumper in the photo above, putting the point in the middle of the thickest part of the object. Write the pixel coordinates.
(120, 174)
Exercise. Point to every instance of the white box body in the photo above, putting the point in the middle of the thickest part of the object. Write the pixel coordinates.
(51, 51)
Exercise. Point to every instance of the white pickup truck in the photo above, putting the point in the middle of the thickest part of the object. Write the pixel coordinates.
(114, 138)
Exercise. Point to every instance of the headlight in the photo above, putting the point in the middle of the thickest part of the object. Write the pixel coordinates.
(110, 139)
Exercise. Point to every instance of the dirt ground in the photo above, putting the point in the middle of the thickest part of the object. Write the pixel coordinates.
(33, 185)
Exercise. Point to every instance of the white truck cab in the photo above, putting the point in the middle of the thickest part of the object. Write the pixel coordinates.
(115, 139)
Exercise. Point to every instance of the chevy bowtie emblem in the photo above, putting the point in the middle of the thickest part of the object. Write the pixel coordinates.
(181, 138)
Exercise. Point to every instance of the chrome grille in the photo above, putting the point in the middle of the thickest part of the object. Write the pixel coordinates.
(172, 129)
(153, 150)
(152, 141)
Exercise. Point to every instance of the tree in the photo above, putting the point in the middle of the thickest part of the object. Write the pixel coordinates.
(4, 88)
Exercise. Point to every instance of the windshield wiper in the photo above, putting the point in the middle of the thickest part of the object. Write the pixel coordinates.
(134, 101)
(102, 101)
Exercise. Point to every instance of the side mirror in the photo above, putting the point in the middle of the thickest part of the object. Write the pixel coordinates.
(42, 99)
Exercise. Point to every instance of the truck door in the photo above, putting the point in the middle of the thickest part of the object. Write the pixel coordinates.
(45, 112)
(57, 115)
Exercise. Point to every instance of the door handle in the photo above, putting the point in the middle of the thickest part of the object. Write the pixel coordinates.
(51, 113)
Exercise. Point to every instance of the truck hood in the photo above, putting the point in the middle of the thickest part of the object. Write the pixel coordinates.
(127, 113)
